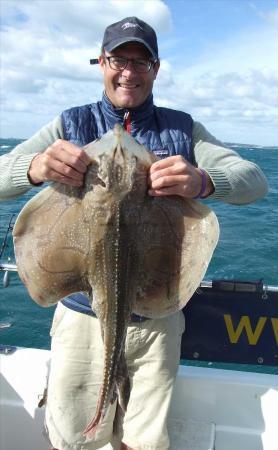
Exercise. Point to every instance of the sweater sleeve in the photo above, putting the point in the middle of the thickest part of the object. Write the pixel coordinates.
(236, 180)
(14, 166)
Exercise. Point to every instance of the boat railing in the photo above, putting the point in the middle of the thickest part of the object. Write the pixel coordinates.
(7, 266)
(228, 285)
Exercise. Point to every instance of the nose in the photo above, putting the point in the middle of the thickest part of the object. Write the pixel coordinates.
(129, 70)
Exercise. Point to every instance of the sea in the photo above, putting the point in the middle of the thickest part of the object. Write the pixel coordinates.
(247, 250)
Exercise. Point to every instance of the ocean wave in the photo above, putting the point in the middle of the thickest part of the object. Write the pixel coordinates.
(250, 146)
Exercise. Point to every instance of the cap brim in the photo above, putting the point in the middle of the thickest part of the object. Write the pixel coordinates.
(117, 42)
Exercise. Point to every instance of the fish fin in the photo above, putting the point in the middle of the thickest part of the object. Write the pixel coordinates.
(118, 421)
(122, 397)
(49, 246)
(92, 427)
(177, 240)
(123, 384)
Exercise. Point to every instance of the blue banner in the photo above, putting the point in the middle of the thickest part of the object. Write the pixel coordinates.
(232, 322)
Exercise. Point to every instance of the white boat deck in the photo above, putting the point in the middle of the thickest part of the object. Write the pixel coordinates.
(211, 410)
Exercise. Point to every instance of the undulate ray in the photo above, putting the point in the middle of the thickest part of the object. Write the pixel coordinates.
(127, 251)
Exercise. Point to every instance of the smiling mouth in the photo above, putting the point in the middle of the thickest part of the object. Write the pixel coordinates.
(128, 86)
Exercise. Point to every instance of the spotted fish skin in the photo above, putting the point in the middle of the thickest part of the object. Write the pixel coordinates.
(128, 251)
(114, 278)
(114, 295)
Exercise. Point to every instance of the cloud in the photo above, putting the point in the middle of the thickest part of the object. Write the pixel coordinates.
(58, 38)
(47, 48)
(270, 16)
(230, 104)
(230, 85)
(226, 93)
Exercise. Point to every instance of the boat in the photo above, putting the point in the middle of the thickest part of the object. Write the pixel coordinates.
(213, 408)
(226, 392)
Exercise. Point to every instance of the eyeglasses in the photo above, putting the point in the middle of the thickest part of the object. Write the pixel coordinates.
(139, 65)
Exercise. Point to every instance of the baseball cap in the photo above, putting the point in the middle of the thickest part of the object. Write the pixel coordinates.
(130, 29)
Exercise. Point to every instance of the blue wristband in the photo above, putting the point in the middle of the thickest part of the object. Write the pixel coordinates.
(203, 186)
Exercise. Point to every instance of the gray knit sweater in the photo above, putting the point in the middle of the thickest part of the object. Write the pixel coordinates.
(236, 180)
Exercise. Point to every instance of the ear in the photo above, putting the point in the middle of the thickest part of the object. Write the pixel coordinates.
(102, 62)
(156, 69)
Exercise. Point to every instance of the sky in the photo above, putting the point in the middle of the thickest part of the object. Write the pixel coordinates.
(219, 61)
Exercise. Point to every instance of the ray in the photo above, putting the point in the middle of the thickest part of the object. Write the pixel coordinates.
(127, 251)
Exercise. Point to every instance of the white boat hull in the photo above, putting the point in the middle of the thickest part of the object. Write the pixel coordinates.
(212, 409)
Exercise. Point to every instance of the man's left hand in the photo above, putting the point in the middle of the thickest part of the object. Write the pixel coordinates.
(176, 176)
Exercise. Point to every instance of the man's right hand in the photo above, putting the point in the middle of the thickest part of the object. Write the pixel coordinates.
(62, 161)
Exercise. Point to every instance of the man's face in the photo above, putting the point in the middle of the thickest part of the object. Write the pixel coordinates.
(127, 88)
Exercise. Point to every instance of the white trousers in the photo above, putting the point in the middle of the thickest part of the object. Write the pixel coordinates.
(152, 354)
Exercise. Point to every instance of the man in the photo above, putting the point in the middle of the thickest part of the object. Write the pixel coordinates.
(193, 165)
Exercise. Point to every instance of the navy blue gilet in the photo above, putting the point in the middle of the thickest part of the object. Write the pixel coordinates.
(166, 132)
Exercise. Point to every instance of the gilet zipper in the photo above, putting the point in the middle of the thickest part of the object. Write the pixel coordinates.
(127, 122)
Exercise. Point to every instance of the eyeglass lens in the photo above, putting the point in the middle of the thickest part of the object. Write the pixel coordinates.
(139, 65)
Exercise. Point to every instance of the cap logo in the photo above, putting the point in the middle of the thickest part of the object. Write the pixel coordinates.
(130, 25)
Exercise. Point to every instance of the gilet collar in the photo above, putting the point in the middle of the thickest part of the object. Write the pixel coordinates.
(114, 115)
